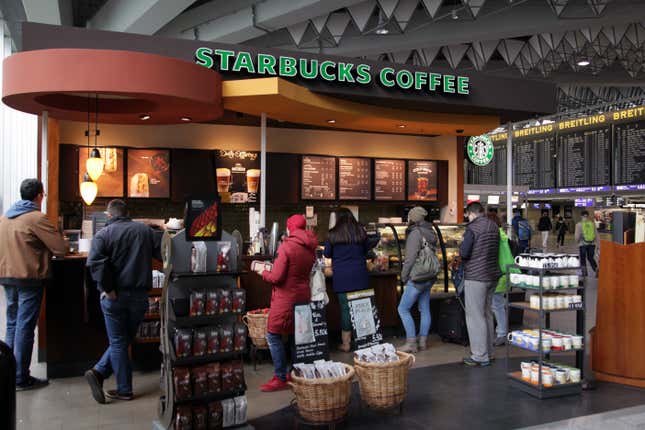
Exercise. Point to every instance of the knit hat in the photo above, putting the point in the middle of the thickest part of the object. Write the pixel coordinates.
(417, 214)
(296, 222)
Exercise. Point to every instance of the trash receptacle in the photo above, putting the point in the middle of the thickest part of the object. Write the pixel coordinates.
(7, 388)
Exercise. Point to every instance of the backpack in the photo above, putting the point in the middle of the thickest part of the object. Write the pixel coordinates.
(427, 266)
(588, 232)
(523, 230)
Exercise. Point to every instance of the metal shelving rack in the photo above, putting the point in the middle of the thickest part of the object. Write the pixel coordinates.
(544, 323)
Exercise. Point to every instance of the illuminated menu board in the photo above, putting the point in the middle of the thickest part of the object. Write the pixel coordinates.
(389, 180)
(422, 180)
(629, 146)
(355, 178)
(318, 178)
(149, 173)
(534, 153)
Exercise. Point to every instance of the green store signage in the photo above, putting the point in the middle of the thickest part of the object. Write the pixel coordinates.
(329, 70)
(480, 150)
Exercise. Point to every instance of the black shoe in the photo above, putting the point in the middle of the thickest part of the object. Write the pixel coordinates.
(501, 340)
(468, 361)
(114, 395)
(32, 384)
(95, 381)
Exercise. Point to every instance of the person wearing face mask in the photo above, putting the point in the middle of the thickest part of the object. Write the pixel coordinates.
(290, 280)
(479, 253)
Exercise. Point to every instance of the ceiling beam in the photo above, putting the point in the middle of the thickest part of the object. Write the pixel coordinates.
(265, 17)
(528, 18)
(55, 12)
(137, 16)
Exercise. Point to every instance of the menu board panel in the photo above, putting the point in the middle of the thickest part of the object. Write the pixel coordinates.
(629, 153)
(318, 178)
(389, 180)
(149, 173)
(422, 180)
(534, 151)
(585, 157)
(238, 176)
(110, 183)
(355, 178)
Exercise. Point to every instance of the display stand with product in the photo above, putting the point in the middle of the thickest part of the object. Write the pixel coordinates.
(202, 337)
(553, 279)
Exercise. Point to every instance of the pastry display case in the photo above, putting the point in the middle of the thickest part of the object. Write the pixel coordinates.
(450, 237)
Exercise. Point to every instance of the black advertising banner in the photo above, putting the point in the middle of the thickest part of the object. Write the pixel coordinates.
(318, 178)
(629, 146)
(422, 180)
(366, 325)
(238, 176)
(310, 341)
(389, 180)
(495, 172)
(534, 152)
(584, 157)
(202, 220)
(355, 178)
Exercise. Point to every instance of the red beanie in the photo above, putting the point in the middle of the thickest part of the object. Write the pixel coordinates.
(296, 222)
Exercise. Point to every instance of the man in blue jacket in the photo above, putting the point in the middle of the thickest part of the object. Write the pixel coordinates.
(120, 261)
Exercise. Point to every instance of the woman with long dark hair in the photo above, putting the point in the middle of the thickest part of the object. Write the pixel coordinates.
(347, 246)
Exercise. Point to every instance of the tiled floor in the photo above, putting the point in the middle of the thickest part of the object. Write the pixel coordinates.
(621, 419)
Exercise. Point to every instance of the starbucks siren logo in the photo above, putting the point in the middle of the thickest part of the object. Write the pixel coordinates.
(480, 150)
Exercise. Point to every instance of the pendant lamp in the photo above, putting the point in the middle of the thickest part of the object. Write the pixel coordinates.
(88, 189)
(94, 163)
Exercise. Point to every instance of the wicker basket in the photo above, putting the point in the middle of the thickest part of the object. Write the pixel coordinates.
(384, 385)
(257, 325)
(323, 400)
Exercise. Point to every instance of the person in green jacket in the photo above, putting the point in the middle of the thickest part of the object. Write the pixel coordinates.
(498, 304)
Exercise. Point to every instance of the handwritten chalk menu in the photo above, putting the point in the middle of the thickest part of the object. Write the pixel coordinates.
(534, 153)
(422, 180)
(366, 325)
(355, 178)
(389, 180)
(629, 152)
(318, 178)
(494, 173)
(310, 341)
(584, 157)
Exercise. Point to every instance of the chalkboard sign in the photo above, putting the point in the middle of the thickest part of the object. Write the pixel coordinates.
(310, 341)
(366, 325)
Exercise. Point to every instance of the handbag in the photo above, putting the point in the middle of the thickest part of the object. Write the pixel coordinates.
(427, 266)
(317, 285)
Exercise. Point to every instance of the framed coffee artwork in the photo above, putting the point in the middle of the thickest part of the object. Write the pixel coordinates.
(149, 173)
(238, 176)
(422, 180)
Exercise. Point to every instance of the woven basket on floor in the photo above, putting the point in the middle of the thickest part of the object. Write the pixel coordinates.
(257, 324)
(384, 385)
(323, 400)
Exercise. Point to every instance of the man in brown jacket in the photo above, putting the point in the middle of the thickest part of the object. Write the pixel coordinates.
(28, 241)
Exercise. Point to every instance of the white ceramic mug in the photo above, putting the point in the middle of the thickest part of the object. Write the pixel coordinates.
(547, 378)
(559, 302)
(515, 278)
(560, 376)
(568, 299)
(564, 281)
(574, 280)
(521, 260)
(535, 281)
(554, 281)
(557, 344)
(577, 299)
(574, 261)
(567, 343)
(534, 302)
(576, 342)
(549, 303)
(574, 375)
(546, 344)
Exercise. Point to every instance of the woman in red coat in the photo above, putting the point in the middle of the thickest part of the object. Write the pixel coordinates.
(290, 279)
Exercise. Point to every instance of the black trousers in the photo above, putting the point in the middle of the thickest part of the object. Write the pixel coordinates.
(587, 252)
(560, 240)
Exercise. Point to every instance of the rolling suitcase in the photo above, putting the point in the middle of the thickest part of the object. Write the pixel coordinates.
(451, 321)
(7, 388)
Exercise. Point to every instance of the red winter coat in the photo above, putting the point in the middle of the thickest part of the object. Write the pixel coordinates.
(290, 279)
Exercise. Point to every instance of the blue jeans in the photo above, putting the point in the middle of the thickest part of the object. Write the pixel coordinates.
(498, 305)
(412, 295)
(278, 355)
(122, 319)
(23, 309)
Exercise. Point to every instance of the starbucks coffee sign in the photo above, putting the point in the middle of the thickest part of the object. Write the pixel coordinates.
(480, 150)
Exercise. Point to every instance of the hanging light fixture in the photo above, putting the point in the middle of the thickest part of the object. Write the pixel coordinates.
(94, 163)
(89, 190)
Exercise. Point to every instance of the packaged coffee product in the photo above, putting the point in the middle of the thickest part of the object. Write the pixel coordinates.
(198, 257)
(226, 338)
(214, 416)
(225, 301)
(200, 418)
(214, 382)
(226, 373)
(181, 380)
(184, 418)
(200, 342)
(238, 374)
(239, 337)
(212, 302)
(197, 302)
(239, 300)
(213, 340)
(228, 413)
(199, 377)
(183, 343)
(241, 405)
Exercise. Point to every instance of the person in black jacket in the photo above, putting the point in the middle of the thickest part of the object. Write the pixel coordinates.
(479, 253)
(120, 262)
(545, 226)
(561, 228)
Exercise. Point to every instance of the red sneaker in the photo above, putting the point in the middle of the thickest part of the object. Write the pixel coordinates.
(275, 384)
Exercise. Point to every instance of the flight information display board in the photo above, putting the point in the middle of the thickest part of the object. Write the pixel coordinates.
(629, 146)
(585, 157)
(534, 153)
